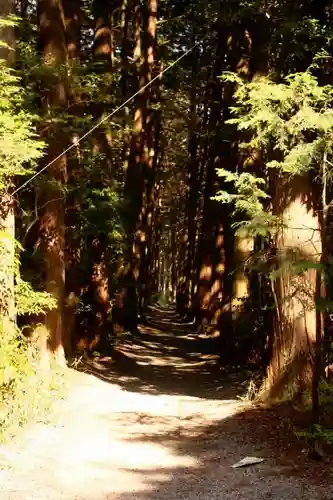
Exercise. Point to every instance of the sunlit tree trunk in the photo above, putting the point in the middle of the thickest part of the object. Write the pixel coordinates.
(72, 12)
(213, 233)
(52, 40)
(239, 59)
(152, 130)
(222, 292)
(193, 186)
(154, 279)
(103, 175)
(139, 189)
(125, 46)
(126, 17)
(202, 222)
(103, 40)
(154, 147)
(149, 130)
(290, 369)
(243, 247)
(134, 180)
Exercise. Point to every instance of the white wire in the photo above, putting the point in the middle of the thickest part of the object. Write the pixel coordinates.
(77, 141)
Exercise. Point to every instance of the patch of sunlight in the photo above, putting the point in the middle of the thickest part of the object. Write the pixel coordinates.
(110, 441)
(123, 455)
(192, 337)
(149, 345)
(145, 359)
(94, 457)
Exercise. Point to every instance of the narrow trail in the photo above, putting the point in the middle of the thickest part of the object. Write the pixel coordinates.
(158, 421)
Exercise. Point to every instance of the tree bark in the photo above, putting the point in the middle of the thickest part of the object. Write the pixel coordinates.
(140, 179)
(72, 11)
(52, 40)
(213, 233)
(290, 370)
(103, 43)
(191, 206)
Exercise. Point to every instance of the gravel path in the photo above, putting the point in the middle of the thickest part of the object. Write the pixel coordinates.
(155, 423)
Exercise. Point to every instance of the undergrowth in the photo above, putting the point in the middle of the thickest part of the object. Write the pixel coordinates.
(160, 299)
(323, 432)
(27, 391)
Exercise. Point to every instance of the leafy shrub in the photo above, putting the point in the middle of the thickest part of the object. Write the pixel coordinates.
(322, 433)
(319, 434)
(26, 391)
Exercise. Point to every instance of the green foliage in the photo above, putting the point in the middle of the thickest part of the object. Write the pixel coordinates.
(249, 195)
(318, 434)
(326, 394)
(19, 147)
(100, 212)
(160, 299)
(290, 123)
(296, 266)
(9, 22)
(288, 126)
(100, 206)
(25, 392)
(285, 131)
(322, 433)
(29, 301)
(19, 151)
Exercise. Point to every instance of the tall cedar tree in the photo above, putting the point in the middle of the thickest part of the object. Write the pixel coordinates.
(52, 45)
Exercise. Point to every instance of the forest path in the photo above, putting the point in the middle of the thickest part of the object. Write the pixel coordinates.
(159, 421)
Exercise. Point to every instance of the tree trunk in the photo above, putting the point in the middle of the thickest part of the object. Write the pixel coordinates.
(72, 12)
(139, 189)
(103, 47)
(125, 47)
(193, 183)
(52, 232)
(104, 176)
(243, 247)
(99, 286)
(321, 294)
(213, 237)
(240, 57)
(290, 370)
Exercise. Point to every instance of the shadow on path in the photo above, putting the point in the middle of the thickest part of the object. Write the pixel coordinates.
(167, 357)
(160, 421)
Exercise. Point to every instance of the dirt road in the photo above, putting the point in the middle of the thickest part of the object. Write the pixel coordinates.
(157, 422)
